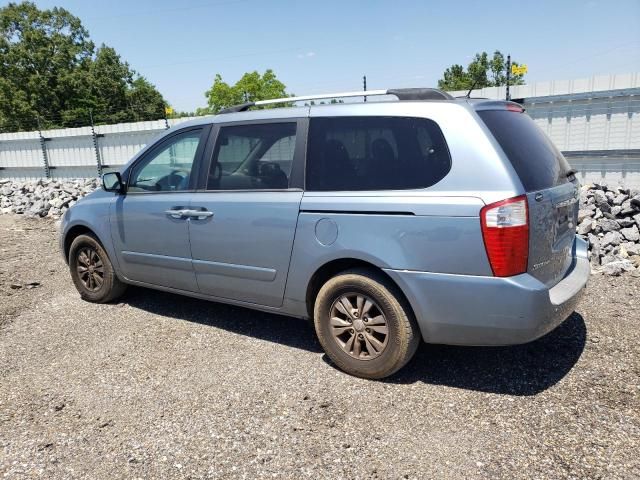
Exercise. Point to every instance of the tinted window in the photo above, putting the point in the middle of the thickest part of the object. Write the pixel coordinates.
(375, 153)
(169, 168)
(536, 160)
(257, 156)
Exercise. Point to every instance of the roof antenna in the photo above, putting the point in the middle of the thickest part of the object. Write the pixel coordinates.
(473, 85)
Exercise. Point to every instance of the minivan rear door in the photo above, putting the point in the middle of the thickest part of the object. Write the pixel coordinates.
(550, 185)
(241, 245)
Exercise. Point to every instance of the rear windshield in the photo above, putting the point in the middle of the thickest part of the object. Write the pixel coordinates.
(536, 160)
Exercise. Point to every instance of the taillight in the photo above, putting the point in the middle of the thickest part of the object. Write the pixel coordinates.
(505, 229)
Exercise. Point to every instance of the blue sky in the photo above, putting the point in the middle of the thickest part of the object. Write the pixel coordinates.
(328, 46)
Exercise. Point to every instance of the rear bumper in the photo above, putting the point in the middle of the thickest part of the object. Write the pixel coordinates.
(476, 310)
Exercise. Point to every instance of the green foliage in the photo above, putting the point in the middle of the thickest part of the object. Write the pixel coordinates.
(333, 101)
(185, 113)
(482, 71)
(145, 100)
(250, 88)
(454, 78)
(50, 70)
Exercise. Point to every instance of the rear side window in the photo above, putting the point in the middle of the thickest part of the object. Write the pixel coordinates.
(536, 160)
(375, 153)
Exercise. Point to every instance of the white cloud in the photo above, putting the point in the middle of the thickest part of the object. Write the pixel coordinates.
(306, 55)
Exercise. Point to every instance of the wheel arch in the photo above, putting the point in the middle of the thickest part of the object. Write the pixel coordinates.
(75, 232)
(334, 267)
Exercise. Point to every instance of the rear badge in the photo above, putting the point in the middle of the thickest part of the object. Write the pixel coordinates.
(538, 197)
(536, 266)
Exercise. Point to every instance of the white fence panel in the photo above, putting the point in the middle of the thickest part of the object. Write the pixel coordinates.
(21, 159)
(117, 148)
(74, 151)
(71, 151)
(597, 136)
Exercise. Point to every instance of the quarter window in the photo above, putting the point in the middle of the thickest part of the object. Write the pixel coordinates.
(375, 153)
(168, 169)
(253, 157)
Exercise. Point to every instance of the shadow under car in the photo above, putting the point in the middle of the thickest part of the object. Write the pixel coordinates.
(516, 370)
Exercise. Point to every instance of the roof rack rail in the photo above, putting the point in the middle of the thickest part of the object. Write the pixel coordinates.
(400, 93)
(238, 108)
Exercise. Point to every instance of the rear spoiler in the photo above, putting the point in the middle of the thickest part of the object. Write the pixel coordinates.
(499, 105)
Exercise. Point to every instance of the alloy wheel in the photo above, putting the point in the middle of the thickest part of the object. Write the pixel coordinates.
(359, 326)
(90, 269)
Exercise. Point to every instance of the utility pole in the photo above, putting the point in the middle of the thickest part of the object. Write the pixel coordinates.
(45, 157)
(166, 120)
(508, 76)
(364, 86)
(94, 137)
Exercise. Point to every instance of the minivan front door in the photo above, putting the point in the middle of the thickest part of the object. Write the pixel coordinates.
(149, 224)
(242, 250)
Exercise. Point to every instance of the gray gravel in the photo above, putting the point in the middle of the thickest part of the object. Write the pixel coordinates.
(161, 386)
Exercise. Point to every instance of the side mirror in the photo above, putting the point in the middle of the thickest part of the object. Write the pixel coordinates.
(112, 182)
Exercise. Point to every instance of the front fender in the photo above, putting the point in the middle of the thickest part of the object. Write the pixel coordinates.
(91, 213)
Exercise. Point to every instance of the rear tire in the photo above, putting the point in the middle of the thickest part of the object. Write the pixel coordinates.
(377, 336)
(92, 271)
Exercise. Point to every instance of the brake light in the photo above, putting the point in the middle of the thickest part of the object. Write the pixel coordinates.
(512, 107)
(505, 230)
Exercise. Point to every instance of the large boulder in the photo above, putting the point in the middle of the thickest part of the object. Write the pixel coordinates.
(586, 226)
(608, 225)
(632, 233)
(617, 266)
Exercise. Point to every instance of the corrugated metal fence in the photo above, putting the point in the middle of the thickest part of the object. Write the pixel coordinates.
(600, 137)
(74, 152)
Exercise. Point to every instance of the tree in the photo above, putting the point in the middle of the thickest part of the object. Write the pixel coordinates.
(251, 87)
(39, 50)
(50, 70)
(99, 89)
(145, 100)
(333, 101)
(481, 72)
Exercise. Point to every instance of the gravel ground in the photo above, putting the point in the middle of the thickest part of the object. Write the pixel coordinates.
(161, 386)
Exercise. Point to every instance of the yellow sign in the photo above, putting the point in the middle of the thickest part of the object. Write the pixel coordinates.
(518, 69)
(168, 110)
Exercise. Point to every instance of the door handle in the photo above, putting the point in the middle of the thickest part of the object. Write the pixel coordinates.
(199, 214)
(177, 213)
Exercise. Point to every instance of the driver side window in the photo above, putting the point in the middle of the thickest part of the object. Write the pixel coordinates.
(168, 169)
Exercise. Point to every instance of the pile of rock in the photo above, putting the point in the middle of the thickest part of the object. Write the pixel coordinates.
(609, 218)
(43, 198)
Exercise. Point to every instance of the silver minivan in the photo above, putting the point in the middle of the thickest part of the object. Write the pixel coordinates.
(450, 220)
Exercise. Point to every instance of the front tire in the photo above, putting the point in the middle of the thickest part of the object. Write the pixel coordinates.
(364, 324)
(92, 271)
